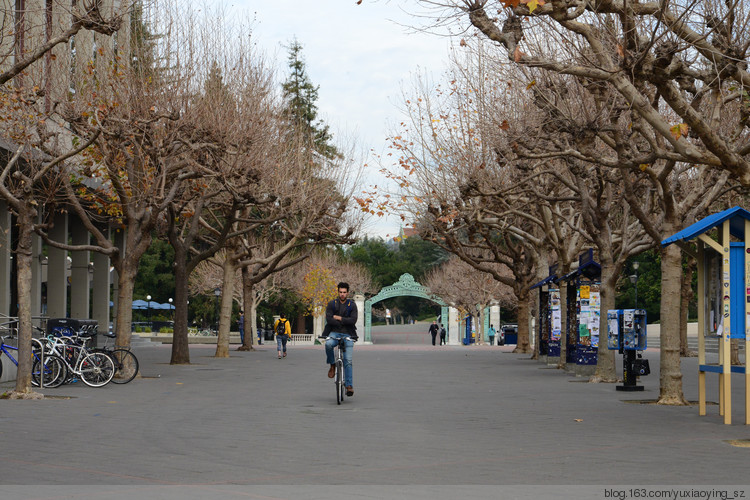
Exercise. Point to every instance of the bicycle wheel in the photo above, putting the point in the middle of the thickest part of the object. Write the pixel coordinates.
(126, 366)
(97, 369)
(55, 371)
(339, 381)
(1, 364)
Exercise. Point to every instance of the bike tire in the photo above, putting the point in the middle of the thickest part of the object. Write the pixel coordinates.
(55, 371)
(126, 365)
(339, 382)
(97, 369)
(1, 365)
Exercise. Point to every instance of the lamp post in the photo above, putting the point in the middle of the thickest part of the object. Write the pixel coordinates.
(217, 293)
(171, 309)
(634, 281)
(148, 307)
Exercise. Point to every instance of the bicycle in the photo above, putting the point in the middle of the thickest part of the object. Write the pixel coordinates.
(96, 369)
(339, 350)
(126, 364)
(55, 371)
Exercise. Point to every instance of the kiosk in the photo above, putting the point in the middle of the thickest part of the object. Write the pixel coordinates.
(584, 310)
(545, 314)
(723, 292)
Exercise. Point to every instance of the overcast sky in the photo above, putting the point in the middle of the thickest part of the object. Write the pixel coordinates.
(360, 55)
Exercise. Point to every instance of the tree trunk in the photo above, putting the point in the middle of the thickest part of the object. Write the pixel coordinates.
(523, 321)
(605, 358)
(249, 308)
(125, 282)
(670, 374)
(686, 295)
(23, 281)
(180, 343)
(225, 312)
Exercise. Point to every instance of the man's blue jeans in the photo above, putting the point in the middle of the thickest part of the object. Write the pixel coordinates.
(330, 344)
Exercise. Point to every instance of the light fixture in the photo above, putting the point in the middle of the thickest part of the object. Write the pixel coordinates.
(217, 292)
(635, 265)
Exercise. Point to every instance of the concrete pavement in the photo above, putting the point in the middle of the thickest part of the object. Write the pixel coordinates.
(458, 416)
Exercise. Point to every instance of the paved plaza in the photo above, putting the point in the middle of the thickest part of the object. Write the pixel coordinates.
(461, 419)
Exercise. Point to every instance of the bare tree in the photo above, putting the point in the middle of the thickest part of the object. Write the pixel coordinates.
(38, 150)
(468, 289)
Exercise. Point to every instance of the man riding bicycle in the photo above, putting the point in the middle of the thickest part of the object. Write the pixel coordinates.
(341, 321)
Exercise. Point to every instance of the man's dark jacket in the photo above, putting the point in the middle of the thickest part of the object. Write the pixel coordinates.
(348, 312)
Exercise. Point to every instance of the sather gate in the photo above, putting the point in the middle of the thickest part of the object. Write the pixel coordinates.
(404, 287)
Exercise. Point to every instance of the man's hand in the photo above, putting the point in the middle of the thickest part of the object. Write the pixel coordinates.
(337, 318)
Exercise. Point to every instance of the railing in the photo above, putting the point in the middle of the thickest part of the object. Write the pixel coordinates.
(302, 338)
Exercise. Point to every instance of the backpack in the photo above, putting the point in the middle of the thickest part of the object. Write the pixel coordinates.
(281, 327)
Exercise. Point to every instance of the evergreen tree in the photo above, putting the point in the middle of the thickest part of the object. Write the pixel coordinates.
(142, 43)
(301, 97)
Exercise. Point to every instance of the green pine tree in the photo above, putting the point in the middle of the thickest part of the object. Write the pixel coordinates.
(301, 97)
(142, 43)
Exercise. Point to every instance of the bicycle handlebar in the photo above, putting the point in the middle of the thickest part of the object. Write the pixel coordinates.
(348, 337)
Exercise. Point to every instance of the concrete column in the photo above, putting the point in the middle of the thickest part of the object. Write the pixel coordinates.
(101, 285)
(80, 283)
(5, 259)
(318, 322)
(57, 270)
(495, 316)
(454, 335)
(359, 300)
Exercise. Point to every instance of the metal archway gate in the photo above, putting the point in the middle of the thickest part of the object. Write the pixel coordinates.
(404, 287)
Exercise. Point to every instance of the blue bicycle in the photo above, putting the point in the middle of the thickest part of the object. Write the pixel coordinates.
(55, 371)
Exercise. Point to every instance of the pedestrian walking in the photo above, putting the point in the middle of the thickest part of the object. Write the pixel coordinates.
(283, 334)
(241, 325)
(443, 334)
(341, 322)
(491, 334)
(433, 331)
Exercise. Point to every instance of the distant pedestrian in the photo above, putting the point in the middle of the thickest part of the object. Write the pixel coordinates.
(443, 334)
(491, 334)
(241, 325)
(283, 334)
(433, 331)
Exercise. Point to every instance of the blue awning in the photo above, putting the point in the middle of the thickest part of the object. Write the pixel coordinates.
(736, 216)
(546, 280)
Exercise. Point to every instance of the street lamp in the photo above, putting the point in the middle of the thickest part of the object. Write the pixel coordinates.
(217, 293)
(634, 281)
(148, 306)
(171, 308)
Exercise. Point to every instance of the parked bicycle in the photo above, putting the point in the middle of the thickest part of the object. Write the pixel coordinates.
(126, 364)
(54, 370)
(95, 368)
(338, 379)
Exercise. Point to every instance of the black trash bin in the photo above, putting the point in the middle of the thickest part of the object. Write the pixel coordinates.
(267, 334)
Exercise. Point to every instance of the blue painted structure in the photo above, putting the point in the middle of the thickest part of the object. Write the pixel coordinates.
(723, 294)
